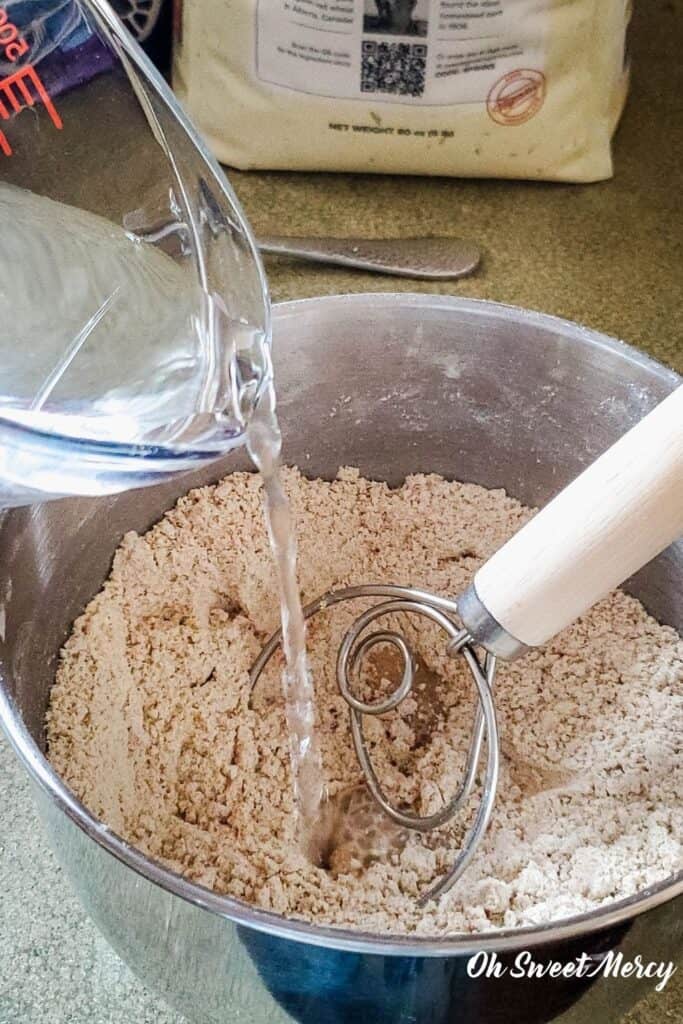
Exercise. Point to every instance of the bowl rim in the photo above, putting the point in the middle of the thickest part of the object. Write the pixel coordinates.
(344, 939)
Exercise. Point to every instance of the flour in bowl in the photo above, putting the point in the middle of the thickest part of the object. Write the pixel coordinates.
(152, 723)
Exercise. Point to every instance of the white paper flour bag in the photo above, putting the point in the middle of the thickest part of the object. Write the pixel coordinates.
(484, 88)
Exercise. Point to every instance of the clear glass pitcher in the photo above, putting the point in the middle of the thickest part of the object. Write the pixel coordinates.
(134, 314)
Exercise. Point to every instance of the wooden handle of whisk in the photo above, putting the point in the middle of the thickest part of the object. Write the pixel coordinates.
(616, 516)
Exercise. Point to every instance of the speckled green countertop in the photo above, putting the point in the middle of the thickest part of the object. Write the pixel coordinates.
(607, 255)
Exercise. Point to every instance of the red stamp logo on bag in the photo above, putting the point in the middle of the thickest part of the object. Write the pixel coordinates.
(516, 97)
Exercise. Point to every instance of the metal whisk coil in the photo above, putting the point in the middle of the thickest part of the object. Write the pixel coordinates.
(355, 646)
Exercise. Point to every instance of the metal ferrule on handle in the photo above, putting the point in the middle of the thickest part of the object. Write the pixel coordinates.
(613, 519)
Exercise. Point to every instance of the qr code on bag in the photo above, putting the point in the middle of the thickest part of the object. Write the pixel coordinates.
(397, 68)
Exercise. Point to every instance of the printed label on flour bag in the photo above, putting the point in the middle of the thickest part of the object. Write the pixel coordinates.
(473, 88)
(428, 52)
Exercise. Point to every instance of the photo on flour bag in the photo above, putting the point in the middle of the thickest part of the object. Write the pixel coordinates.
(397, 17)
(488, 88)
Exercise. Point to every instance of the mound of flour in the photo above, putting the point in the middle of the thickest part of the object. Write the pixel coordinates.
(152, 723)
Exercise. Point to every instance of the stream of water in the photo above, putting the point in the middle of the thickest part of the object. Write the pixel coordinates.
(264, 442)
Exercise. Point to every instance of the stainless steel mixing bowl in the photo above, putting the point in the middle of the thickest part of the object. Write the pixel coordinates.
(394, 384)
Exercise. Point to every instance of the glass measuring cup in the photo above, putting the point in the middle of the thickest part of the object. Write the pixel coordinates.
(134, 314)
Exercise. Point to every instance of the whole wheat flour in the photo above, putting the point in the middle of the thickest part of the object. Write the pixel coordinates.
(152, 725)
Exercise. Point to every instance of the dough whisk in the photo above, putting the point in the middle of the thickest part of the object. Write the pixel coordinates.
(610, 521)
